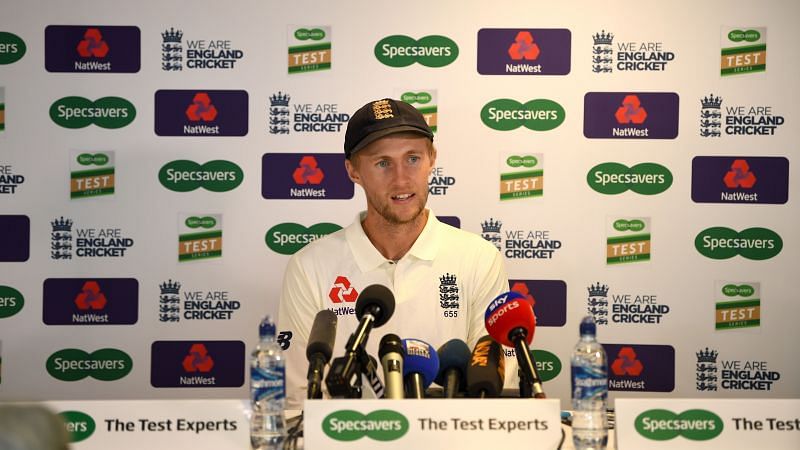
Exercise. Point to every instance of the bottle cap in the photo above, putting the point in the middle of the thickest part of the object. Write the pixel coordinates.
(267, 327)
(588, 327)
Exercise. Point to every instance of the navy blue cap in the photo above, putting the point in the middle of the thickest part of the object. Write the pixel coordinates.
(381, 118)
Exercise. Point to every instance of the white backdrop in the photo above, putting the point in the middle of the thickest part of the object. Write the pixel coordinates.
(250, 272)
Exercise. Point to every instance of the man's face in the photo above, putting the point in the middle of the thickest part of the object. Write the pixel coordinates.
(393, 171)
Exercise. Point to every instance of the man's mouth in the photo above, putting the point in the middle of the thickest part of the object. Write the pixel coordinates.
(402, 197)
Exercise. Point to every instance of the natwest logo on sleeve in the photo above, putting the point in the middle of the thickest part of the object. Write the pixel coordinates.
(201, 113)
(343, 296)
(512, 51)
(205, 364)
(103, 49)
(315, 176)
(90, 301)
(644, 368)
(640, 115)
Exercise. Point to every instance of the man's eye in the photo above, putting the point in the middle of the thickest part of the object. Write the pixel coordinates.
(382, 164)
(413, 159)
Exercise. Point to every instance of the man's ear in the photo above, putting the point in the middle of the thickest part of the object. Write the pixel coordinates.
(352, 171)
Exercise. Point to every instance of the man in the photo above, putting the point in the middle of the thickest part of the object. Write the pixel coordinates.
(442, 277)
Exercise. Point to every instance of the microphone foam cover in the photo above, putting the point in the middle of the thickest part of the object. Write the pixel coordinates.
(376, 295)
(507, 312)
(486, 369)
(454, 354)
(390, 343)
(322, 337)
(420, 358)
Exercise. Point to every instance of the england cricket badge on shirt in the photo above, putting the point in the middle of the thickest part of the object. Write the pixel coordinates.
(449, 295)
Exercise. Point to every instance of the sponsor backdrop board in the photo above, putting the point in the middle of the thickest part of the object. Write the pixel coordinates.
(161, 161)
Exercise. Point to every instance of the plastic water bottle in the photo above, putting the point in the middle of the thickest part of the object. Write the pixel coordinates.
(267, 390)
(589, 390)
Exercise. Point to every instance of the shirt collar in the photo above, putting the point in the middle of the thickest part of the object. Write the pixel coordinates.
(369, 258)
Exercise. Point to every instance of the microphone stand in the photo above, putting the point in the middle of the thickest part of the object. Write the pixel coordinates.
(527, 369)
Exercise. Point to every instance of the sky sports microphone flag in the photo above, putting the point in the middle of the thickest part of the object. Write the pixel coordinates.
(319, 349)
(420, 367)
(510, 320)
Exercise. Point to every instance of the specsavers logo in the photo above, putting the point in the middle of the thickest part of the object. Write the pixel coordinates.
(752, 243)
(289, 238)
(613, 178)
(429, 51)
(11, 301)
(215, 176)
(72, 364)
(663, 425)
(79, 112)
(12, 48)
(381, 425)
(538, 115)
(79, 425)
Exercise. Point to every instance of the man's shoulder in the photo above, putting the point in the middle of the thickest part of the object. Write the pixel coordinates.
(323, 245)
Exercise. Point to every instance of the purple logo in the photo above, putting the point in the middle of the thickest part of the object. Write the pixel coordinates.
(740, 179)
(92, 48)
(15, 238)
(201, 113)
(90, 301)
(549, 299)
(630, 115)
(310, 176)
(513, 51)
(204, 364)
(640, 368)
(453, 221)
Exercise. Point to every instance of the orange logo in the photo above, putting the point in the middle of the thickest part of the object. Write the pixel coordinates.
(631, 111)
(523, 47)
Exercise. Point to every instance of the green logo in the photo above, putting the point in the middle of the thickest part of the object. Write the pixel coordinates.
(547, 364)
(79, 112)
(743, 290)
(749, 35)
(200, 222)
(216, 176)
(538, 115)
(420, 97)
(614, 178)
(381, 425)
(12, 48)
(79, 425)
(522, 161)
(402, 51)
(663, 425)
(98, 159)
(752, 243)
(72, 364)
(315, 34)
(11, 301)
(289, 238)
(629, 225)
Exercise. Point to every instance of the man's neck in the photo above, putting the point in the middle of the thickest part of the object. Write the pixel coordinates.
(392, 240)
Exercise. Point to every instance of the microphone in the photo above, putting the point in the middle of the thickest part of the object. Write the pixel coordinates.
(420, 367)
(486, 371)
(510, 321)
(319, 350)
(392, 353)
(454, 358)
(374, 307)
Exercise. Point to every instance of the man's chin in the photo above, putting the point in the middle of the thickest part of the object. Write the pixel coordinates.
(404, 219)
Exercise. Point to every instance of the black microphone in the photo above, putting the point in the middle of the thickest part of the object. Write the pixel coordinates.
(391, 353)
(454, 358)
(319, 350)
(374, 307)
(486, 371)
